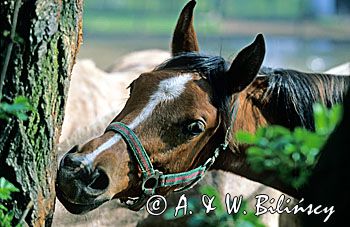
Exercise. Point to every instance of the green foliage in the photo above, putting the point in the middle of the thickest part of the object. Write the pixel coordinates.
(18, 108)
(6, 189)
(292, 154)
(219, 217)
(326, 120)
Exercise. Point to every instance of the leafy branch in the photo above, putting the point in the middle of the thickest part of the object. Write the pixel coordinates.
(6, 189)
(291, 154)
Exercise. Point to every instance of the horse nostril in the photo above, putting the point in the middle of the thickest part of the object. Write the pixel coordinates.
(73, 149)
(75, 165)
(71, 160)
(100, 180)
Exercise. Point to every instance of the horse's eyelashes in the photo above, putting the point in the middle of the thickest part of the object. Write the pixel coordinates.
(196, 127)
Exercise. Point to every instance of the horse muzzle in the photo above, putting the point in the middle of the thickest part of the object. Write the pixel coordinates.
(80, 185)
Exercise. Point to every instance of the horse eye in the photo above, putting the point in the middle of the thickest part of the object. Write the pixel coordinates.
(196, 127)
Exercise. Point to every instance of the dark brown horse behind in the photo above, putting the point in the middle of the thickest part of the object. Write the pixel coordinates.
(180, 112)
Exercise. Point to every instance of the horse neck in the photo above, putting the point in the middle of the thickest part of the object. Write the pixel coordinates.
(260, 105)
(249, 118)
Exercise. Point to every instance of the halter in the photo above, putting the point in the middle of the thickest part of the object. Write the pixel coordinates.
(153, 178)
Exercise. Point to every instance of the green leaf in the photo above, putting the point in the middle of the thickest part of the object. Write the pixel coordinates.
(326, 119)
(3, 208)
(320, 117)
(262, 142)
(18, 108)
(290, 148)
(280, 130)
(245, 137)
(6, 188)
(335, 115)
(296, 156)
(255, 151)
(6, 33)
(6, 219)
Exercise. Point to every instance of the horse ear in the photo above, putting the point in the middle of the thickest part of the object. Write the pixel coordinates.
(245, 66)
(185, 38)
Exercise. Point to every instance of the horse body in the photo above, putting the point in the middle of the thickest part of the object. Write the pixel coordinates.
(180, 114)
(343, 69)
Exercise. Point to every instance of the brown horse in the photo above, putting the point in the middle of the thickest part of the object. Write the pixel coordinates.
(179, 113)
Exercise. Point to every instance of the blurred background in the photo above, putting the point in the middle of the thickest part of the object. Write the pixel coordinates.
(309, 35)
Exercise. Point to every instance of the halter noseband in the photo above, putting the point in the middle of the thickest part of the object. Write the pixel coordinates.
(153, 178)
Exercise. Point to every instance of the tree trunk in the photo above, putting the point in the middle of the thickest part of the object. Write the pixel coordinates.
(47, 39)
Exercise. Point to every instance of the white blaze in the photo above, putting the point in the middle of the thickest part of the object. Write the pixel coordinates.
(168, 89)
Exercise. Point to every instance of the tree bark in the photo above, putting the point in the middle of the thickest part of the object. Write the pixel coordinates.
(47, 39)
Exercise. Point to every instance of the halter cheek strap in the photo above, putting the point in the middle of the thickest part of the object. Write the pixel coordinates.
(153, 178)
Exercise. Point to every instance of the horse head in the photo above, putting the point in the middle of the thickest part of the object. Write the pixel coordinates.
(172, 123)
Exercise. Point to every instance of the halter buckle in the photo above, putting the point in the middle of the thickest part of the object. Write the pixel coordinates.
(150, 183)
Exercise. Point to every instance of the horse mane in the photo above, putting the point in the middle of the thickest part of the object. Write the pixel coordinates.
(290, 94)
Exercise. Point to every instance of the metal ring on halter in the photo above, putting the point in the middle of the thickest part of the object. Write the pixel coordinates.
(209, 163)
(151, 188)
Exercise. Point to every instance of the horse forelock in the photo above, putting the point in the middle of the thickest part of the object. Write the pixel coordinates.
(208, 67)
(167, 89)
